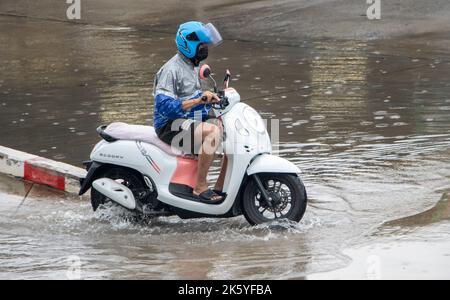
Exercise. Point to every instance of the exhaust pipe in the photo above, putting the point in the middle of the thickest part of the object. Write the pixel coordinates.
(116, 192)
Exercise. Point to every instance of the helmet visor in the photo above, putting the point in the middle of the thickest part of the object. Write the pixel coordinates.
(213, 34)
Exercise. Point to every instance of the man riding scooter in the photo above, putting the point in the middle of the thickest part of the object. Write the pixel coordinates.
(182, 107)
(132, 167)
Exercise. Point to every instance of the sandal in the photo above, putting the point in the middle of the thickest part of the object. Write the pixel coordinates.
(208, 197)
(220, 193)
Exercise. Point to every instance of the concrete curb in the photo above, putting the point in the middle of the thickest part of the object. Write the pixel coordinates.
(41, 170)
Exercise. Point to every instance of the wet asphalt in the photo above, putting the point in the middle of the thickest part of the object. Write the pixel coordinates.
(363, 109)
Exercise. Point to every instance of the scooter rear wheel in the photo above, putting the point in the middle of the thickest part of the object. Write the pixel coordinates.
(288, 192)
(123, 176)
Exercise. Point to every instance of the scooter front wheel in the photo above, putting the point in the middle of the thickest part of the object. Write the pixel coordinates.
(288, 194)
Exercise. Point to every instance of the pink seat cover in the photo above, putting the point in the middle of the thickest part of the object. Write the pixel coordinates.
(146, 134)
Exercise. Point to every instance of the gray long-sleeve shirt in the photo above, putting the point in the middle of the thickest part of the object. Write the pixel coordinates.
(178, 80)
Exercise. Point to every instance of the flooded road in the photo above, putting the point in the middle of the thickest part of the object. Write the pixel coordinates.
(367, 121)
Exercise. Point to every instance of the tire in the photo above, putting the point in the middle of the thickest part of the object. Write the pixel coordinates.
(291, 200)
(127, 177)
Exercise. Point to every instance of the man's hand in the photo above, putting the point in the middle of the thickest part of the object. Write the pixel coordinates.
(209, 97)
(206, 98)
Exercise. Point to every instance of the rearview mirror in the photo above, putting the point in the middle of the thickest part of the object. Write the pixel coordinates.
(205, 72)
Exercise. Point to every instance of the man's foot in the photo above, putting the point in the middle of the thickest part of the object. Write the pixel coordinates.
(209, 196)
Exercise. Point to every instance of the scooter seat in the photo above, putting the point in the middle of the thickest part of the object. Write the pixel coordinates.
(146, 134)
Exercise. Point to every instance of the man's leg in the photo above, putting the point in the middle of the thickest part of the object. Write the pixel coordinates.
(209, 134)
(223, 172)
(224, 166)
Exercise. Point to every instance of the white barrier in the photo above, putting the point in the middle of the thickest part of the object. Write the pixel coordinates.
(40, 170)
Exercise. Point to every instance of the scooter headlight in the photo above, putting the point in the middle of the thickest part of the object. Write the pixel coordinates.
(241, 129)
(254, 120)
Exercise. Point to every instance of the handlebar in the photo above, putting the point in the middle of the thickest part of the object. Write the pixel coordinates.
(222, 104)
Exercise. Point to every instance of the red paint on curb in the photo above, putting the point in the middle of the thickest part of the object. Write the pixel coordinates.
(43, 176)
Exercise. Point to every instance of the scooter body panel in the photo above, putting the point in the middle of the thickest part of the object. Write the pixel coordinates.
(146, 158)
(161, 167)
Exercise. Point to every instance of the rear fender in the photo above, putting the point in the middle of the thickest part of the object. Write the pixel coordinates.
(86, 183)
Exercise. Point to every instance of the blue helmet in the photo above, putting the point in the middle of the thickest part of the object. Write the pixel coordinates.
(191, 35)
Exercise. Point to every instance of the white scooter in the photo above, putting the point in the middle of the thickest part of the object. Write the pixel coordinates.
(142, 174)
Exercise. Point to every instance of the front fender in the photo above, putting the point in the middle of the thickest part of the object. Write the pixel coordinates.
(267, 163)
